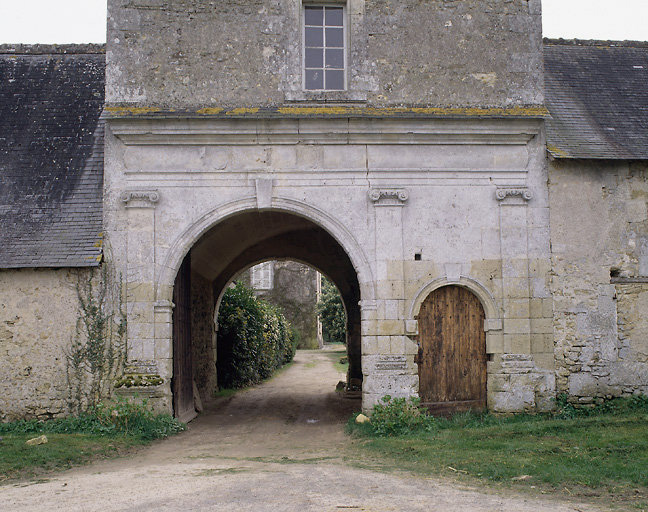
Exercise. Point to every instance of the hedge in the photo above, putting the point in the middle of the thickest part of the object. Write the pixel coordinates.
(254, 339)
(331, 312)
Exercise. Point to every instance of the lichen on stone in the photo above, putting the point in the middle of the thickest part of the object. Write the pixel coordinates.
(139, 380)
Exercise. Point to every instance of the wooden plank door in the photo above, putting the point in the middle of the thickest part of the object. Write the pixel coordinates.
(452, 353)
(182, 383)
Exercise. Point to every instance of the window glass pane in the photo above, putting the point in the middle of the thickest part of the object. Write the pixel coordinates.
(314, 79)
(334, 37)
(334, 59)
(334, 16)
(314, 16)
(314, 58)
(314, 37)
(335, 80)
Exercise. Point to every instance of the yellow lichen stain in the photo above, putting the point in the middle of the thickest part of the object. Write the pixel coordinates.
(490, 79)
(242, 111)
(434, 111)
(133, 110)
(208, 110)
(534, 111)
(557, 152)
(99, 242)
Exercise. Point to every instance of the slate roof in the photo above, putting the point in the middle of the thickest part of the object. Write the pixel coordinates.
(51, 136)
(51, 155)
(597, 95)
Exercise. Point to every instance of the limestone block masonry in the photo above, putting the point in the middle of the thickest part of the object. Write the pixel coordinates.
(411, 217)
(420, 174)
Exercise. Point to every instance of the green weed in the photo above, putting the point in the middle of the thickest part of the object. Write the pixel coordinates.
(602, 449)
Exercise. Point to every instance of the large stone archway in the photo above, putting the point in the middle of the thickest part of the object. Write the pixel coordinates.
(232, 245)
(401, 211)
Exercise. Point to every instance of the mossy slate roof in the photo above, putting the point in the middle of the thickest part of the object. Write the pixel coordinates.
(51, 155)
(51, 136)
(597, 96)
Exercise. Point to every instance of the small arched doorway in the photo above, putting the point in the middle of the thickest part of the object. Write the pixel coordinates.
(452, 351)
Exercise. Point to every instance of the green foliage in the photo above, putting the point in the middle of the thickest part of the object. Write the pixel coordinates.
(602, 447)
(622, 405)
(399, 417)
(254, 339)
(97, 351)
(116, 418)
(331, 312)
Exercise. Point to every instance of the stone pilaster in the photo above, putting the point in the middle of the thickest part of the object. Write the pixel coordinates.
(140, 278)
(514, 244)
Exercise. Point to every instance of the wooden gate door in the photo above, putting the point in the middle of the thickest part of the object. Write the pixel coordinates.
(182, 383)
(452, 353)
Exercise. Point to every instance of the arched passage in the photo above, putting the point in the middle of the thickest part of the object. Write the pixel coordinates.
(233, 244)
(452, 350)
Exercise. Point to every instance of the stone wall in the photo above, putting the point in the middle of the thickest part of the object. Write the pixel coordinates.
(295, 291)
(203, 340)
(599, 235)
(38, 314)
(395, 205)
(192, 54)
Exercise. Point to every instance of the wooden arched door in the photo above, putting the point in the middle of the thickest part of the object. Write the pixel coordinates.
(452, 351)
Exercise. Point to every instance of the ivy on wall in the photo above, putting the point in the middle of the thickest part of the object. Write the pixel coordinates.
(97, 351)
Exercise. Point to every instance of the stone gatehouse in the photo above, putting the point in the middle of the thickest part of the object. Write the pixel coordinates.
(479, 205)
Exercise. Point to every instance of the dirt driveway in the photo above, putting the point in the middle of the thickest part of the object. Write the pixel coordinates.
(277, 447)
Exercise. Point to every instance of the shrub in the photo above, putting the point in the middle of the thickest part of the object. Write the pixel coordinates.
(254, 339)
(331, 311)
(400, 416)
(116, 418)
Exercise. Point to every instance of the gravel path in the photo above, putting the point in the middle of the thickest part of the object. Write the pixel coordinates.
(276, 447)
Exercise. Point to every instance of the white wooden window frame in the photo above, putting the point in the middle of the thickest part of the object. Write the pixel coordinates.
(345, 36)
(262, 276)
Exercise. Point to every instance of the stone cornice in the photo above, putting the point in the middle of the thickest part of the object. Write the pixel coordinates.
(314, 130)
(115, 111)
(388, 197)
(140, 198)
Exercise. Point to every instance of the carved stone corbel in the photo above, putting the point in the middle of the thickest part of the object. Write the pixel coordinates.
(388, 197)
(140, 198)
(513, 195)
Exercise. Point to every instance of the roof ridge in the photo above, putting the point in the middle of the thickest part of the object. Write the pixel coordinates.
(52, 49)
(595, 43)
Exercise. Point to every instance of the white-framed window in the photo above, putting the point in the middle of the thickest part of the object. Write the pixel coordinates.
(325, 47)
(262, 276)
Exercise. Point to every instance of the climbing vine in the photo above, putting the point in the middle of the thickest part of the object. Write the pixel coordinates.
(97, 349)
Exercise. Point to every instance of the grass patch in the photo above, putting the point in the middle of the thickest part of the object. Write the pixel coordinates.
(601, 452)
(62, 451)
(339, 358)
(227, 392)
(106, 430)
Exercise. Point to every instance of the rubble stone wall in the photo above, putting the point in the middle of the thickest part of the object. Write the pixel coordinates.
(295, 291)
(38, 315)
(192, 54)
(599, 235)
